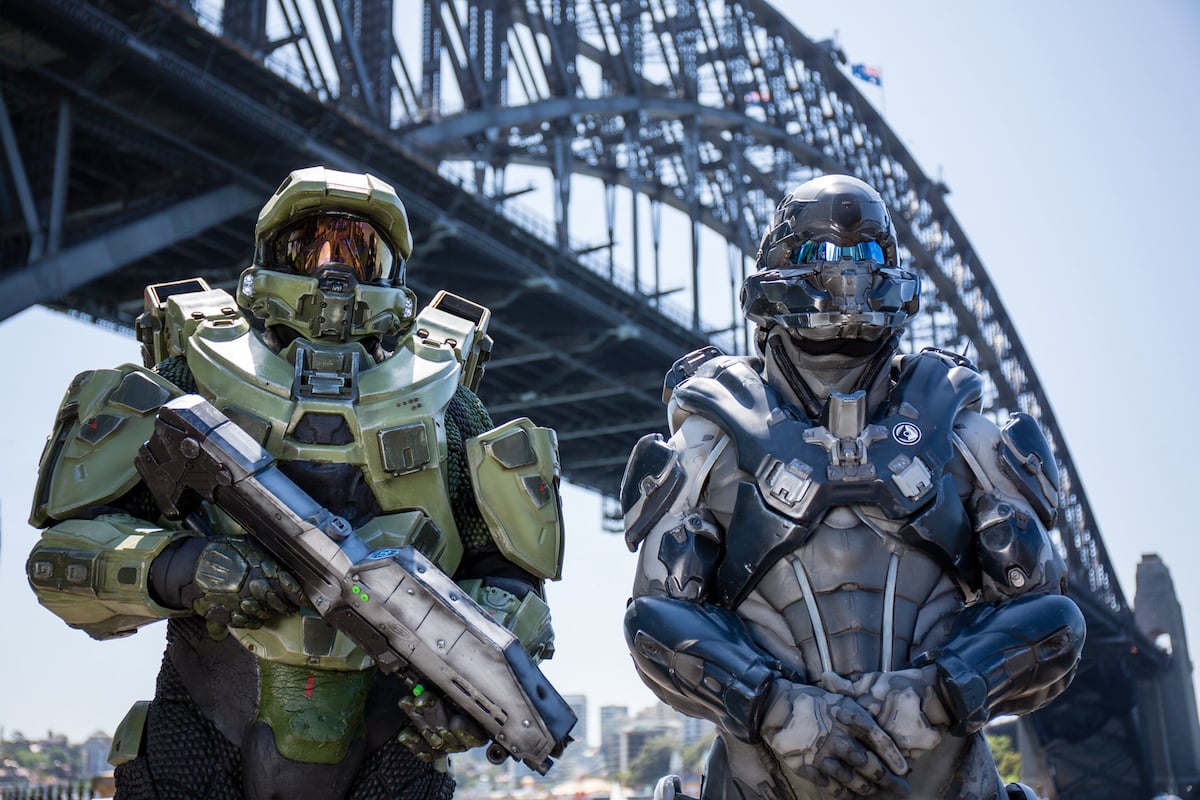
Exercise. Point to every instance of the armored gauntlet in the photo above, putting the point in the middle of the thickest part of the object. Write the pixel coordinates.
(905, 703)
(229, 582)
(1007, 659)
(438, 727)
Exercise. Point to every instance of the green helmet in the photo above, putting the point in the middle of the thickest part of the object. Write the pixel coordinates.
(329, 252)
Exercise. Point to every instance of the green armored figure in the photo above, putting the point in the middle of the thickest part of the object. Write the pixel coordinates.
(355, 414)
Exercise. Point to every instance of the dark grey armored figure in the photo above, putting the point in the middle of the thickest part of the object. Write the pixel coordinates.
(843, 563)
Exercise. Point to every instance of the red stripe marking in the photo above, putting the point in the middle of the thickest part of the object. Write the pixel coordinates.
(308, 687)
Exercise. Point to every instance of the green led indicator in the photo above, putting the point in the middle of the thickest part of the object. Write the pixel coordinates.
(356, 589)
(366, 598)
(418, 690)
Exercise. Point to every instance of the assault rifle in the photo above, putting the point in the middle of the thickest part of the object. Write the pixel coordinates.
(394, 603)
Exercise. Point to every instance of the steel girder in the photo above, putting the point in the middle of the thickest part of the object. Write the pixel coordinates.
(53, 276)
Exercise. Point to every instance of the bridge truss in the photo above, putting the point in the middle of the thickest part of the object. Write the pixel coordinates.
(713, 109)
(140, 137)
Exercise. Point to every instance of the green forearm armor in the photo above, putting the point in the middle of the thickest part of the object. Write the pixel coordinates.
(93, 573)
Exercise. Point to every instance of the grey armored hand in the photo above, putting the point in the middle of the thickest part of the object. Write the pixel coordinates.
(229, 582)
(702, 659)
(832, 741)
(904, 703)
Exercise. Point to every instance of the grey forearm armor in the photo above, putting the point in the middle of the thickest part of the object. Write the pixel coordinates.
(701, 660)
(1007, 659)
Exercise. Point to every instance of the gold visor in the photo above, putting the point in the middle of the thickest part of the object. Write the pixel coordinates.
(309, 243)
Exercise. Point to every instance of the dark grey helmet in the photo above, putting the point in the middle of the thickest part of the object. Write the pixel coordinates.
(829, 267)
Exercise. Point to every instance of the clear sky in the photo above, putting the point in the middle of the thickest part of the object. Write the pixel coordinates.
(1066, 132)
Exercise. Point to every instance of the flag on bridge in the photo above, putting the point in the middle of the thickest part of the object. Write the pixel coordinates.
(757, 97)
(869, 74)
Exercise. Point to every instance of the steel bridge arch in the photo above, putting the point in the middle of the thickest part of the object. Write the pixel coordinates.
(633, 92)
(431, 138)
(714, 107)
(671, 75)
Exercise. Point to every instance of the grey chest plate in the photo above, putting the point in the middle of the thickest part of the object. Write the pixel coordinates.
(894, 461)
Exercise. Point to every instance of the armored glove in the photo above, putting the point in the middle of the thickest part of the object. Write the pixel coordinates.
(230, 582)
(832, 741)
(904, 703)
(437, 727)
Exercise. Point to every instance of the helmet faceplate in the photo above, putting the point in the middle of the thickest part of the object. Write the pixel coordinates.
(329, 258)
(829, 268)
(312, 241)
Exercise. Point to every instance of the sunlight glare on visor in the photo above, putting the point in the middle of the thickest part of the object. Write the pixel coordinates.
(828, 251)
(312, 242)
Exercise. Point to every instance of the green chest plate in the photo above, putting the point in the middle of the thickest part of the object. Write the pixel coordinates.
(331, 404)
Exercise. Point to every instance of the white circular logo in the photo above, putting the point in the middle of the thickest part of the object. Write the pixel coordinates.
(906, 433)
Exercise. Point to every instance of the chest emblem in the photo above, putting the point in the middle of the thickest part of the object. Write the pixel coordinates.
(906, 433)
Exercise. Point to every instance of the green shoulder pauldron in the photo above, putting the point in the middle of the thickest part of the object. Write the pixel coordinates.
(88, 459)
(504, 486)
(515, 474)
(91, 568)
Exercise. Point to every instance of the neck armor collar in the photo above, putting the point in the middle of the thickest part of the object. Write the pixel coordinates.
(812, 403)
(331, 306)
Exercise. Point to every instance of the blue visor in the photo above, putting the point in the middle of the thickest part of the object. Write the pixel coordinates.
(810, 252)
